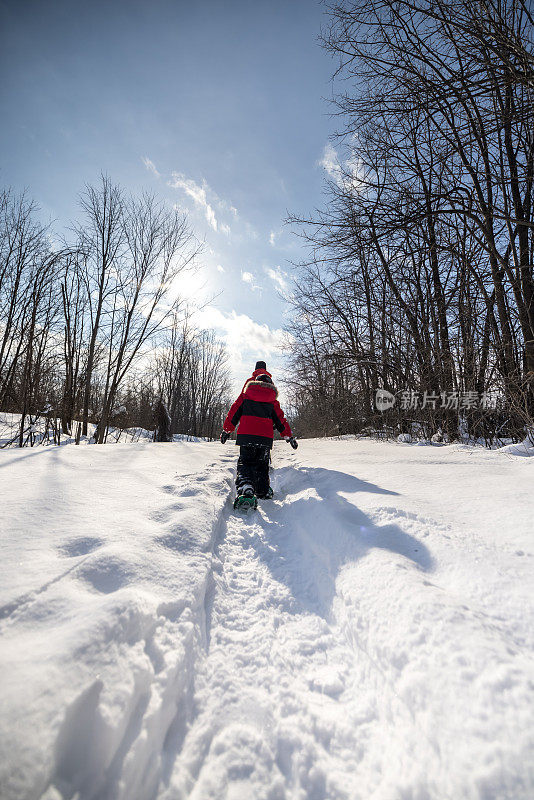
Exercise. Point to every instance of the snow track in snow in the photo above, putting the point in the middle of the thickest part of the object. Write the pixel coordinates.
(280, 665)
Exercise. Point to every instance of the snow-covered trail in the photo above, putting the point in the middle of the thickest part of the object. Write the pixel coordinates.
(282, 704)
(313, 687)
(367, 634)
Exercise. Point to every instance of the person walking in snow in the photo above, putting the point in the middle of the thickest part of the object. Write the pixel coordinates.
(256, 412)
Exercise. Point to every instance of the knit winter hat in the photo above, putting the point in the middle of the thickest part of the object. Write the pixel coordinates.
(260, 365)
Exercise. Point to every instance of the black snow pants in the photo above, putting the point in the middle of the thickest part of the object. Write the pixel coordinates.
(253, 468)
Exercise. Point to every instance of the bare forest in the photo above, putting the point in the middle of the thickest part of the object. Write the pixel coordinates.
(419, 279)
(94, 334)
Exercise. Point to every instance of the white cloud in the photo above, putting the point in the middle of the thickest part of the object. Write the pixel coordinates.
(272, 238)
(248, 277)
(347, 174)
(246, 341)
(150, 166)
(278, 277)
(330, 162)
(355, 172)
(206, 199)
(210, 216)
(220, 268)
(198, 193)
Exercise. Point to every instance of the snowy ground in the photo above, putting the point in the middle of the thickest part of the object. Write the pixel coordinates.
(367, 634)
(43, 433)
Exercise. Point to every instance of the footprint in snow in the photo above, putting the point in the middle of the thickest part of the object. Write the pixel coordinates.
(106, 573)
(188, 492)
(80, 547)
(180, 541)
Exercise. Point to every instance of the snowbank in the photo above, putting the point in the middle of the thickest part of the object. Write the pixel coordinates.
(106, 560)
(10, 428)
(524, 448)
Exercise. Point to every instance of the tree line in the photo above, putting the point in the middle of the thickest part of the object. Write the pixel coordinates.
(93, 331)
(420, 275)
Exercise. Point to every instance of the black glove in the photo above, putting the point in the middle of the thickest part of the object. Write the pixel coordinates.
(293, 442)
(224, 436)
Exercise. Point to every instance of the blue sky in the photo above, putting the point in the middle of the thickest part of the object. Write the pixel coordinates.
(217, 107)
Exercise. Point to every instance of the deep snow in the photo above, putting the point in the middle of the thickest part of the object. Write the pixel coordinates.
(367, 634)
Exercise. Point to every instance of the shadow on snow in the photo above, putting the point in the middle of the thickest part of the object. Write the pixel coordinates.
(308, 539)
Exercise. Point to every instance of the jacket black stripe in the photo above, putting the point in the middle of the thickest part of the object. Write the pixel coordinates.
(277, 422)
(254, 439)
(237, 416)
(255, 408)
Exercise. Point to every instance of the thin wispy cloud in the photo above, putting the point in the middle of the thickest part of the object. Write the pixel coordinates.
(197, 193)
(150, 166)
(281, 239)
(278, 277)
(347, 173)
(224, 205)
(250, 280)
(206, 200)
(210, 216)
(330, 162)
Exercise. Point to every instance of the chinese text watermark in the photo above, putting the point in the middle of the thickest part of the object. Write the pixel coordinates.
(409, 399)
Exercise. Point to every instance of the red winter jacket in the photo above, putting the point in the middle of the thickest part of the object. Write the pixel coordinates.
(257, 412)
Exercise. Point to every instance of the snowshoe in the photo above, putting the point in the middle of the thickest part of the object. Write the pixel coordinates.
(246, 499)
(268, 494)
(245, 502)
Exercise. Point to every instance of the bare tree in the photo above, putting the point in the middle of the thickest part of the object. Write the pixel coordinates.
(420, 274)
(75, 304)
(159, 246)
(80, 324)
(191, 375)
(101, 239)
(23, 250)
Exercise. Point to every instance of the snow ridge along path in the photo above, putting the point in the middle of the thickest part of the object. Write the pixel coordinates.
(366, 634)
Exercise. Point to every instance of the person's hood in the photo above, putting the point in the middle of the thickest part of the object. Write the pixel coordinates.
(260, 390)
(256, 374)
